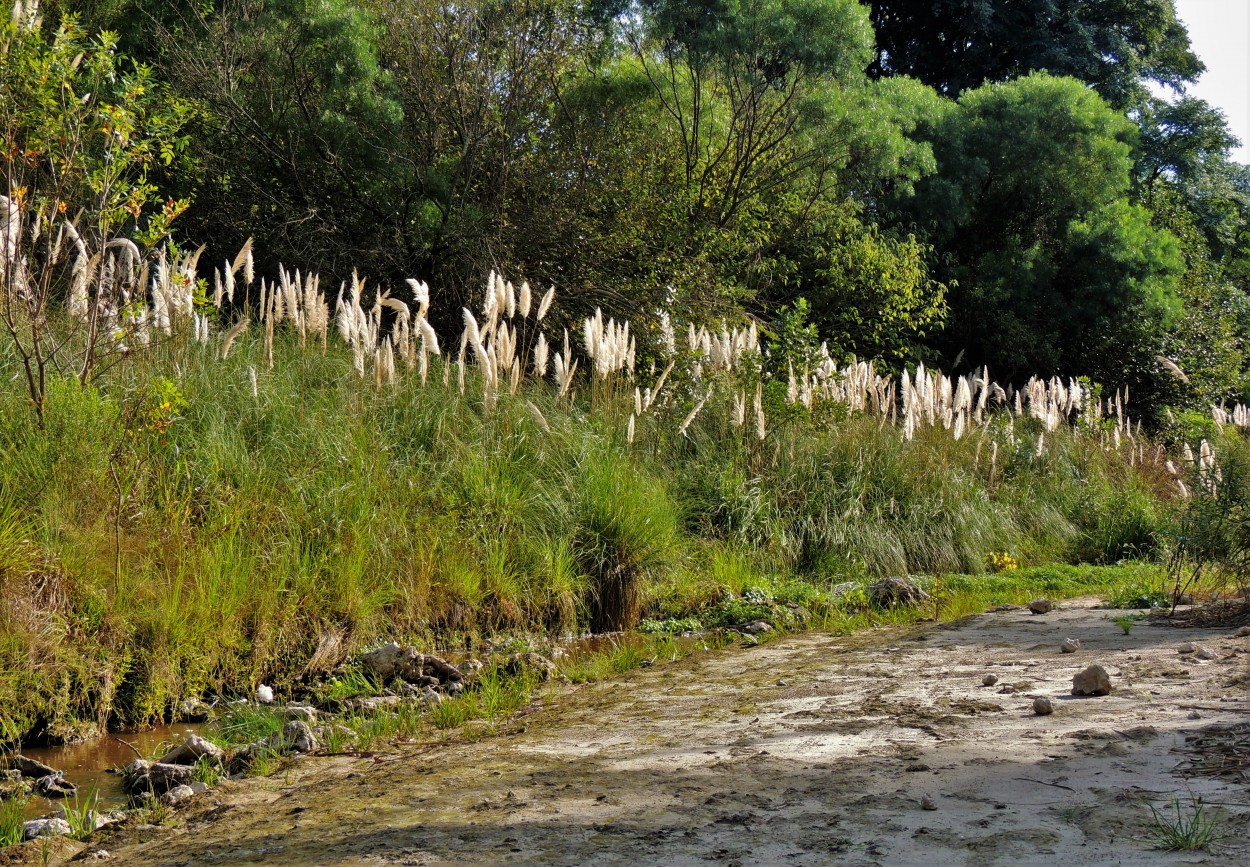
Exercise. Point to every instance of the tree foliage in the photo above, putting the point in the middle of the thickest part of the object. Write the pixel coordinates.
(1057, 271)
(954, 45)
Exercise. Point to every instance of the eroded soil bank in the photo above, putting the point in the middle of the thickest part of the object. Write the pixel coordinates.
(815, 749)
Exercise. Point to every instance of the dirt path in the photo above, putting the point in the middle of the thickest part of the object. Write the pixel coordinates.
(811, 750)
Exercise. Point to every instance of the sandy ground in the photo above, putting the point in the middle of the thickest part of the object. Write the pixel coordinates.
(815, 749)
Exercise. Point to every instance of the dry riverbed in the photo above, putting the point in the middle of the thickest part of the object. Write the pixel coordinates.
(878, 748)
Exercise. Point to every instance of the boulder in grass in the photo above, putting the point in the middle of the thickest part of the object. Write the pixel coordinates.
(177, 794)
(390, 661)
(192, 750)
(299, 711)
(296, 737)
(890, 592)
(1092, 681)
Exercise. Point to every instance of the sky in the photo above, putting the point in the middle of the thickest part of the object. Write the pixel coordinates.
(1219, 33)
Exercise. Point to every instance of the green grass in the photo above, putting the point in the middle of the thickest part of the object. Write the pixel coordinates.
(81, 814)
(1183, 828)
(12, 819)
(253, 533)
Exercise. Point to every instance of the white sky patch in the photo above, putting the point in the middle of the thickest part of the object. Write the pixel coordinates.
(1219, 32)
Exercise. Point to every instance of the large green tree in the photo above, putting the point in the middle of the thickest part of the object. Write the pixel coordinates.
(1055, 270)
(954, 45)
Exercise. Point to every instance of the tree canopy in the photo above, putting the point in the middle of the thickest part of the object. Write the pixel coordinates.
(991, 179)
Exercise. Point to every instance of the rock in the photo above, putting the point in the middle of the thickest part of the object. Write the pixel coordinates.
(1187, 647)
(1008, 689)
(1206, 653)
(430, 697)
(926, 803)
(989, 680)
(844, 588)
(299, 712)
(443, 670)
(893, 591)
(533, 662)
(192, 750)
(1041, 606)
(473, 666)
(374, 702)
(264, 694)
(782, 682)
(1093, 680)
(1243, 632)
(1070, 645)
(296, 737)
(1193, 714)
(455, 687)
(757, 627)
(55, 786)
(391, 661)
(100, 855)
(27, 767)
(176, 795)
(45, 828)
(1042, 706)
(158, 778)
(198, 788)
(194, 710)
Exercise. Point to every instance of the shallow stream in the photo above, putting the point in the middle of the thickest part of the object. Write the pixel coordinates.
(89, 764)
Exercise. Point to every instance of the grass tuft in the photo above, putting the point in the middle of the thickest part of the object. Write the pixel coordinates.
(1183, 828)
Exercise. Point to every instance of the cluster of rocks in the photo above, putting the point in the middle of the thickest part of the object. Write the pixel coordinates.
(390, 662)
(172, 777)
(20, 775)
(1199, 651)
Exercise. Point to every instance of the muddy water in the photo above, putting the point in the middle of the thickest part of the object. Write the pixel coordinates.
(90, 763)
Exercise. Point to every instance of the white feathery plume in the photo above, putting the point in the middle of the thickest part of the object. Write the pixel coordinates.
(429, 339)
(237, 329)
(538, 416)
(540, 356)
(545, 304)
(690, 418)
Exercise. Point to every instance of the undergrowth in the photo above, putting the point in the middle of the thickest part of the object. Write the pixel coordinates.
(171, 533)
